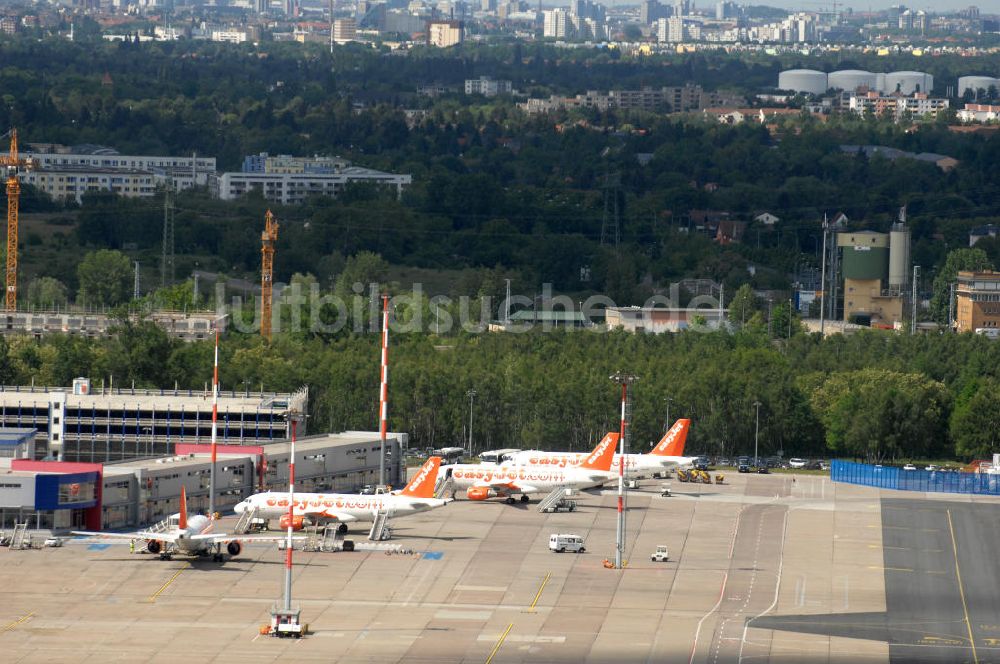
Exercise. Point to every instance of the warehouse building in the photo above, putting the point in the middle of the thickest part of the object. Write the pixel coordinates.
(115, 424)
(65, 495)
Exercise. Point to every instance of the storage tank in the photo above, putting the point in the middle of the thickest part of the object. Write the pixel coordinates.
(909, 82)
(866, 255)
(851, 79)
(899, 256)
(803, 80)
(975, 83)
(880, 82)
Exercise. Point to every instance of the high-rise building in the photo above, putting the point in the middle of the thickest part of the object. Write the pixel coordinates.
(445, 33)
(345, 30)
(682, 7)
(675, 29)
(650, 11)
(555, 23)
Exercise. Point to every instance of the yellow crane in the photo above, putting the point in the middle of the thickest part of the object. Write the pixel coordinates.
(267, 241)
(11, 163)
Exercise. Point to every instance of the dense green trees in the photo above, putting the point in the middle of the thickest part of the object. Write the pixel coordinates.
(106, 277)
(875, 395)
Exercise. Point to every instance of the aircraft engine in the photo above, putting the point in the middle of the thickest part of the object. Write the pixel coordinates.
(154, 546)
(479, 493)
(297, 522)
(234, 548)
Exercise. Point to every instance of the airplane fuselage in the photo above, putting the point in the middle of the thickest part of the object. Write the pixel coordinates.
(634, 463)
(538, 477)
(362, 508)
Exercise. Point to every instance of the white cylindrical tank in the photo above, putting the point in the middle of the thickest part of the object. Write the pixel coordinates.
(975, 83)
(803, 80)
(908, 82)
(899, 256)
(851, 79)
(880, 82)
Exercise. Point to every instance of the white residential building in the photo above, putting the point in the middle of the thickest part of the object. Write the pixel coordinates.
(345, 30)
(979, 113)
(445, 33)
(486, 86)
(555, 23)
(295, 188)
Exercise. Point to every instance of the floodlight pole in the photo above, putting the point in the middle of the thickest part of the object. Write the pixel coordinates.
(624, 379)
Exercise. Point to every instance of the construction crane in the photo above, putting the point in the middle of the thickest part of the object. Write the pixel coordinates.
(11, 163)
(267, 240)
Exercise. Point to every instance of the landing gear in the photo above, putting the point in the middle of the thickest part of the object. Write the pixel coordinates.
(524, 499)
(510, 500)
(217, 557)
(165, 556)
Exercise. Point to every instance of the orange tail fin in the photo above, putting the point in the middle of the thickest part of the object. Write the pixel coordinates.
(603, 454)
(182, 523)
(423, 483)
(672, 444)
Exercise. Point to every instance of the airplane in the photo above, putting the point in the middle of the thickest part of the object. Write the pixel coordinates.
(192, 536)
(667, 454)
(321, 508)
(486, 480)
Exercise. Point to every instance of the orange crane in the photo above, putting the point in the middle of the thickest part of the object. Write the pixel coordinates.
(11, 163)
(267, 240)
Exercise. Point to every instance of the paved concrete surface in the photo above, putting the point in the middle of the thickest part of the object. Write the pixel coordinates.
(760, 549)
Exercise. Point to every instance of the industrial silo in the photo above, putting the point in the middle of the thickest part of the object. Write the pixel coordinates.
(803, 80)
(908, 82)
(865, 255)
(976, 83)
(850, 80)
(899, 256)
(880, 82)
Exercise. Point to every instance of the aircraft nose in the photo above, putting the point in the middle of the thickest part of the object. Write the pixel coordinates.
(240, 507)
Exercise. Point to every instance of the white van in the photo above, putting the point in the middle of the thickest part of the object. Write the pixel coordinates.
(561, 543)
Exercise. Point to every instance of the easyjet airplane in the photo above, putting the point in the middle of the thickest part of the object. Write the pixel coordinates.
(192, 535)
(487, 480)
(667, 454)
(343, 508)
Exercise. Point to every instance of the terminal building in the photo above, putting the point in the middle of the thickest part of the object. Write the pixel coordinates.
(63, 495)
(115, 424)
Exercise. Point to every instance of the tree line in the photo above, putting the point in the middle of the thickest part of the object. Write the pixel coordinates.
(873, 395)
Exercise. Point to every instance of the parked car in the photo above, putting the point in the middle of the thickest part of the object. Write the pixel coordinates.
(795, 462)
(702, 463)
(932, 467)
(763, 469)
(909, 466)
(744, 467)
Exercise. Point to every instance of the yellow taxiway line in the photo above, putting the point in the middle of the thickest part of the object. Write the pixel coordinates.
(17, 622)
(152, 598)
(961, 590)
(545, 581)
(496, 648)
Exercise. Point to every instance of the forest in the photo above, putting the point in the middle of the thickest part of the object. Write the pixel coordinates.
(872, 395)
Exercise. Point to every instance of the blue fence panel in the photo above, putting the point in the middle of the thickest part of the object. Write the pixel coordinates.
(936, 481)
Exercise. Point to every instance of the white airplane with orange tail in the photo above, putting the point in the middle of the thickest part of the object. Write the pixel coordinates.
(343, 508)
(667, 454)
(487, 480)
(191, 535)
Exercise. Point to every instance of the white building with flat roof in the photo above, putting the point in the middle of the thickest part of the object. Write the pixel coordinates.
(94, 424)
(294, 188)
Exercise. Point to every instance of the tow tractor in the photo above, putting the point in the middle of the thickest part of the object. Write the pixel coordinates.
(660, 555)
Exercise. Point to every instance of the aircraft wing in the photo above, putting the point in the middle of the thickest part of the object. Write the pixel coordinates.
(160, 537)
(215, 538)
(505, 487)
(342, 517)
